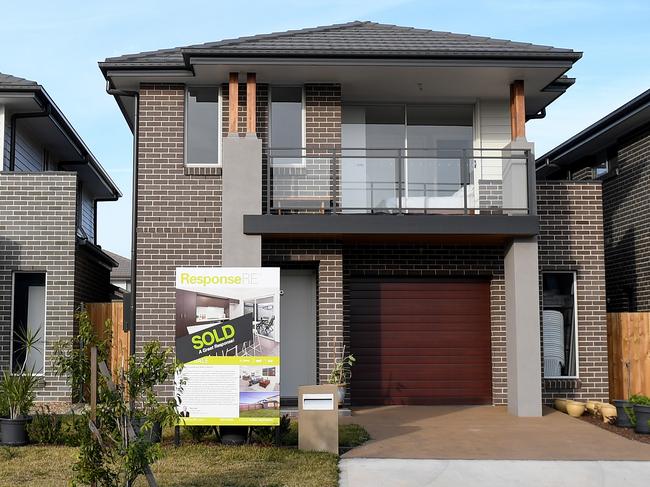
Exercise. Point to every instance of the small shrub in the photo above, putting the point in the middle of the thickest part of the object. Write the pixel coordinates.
(197, 433)
(45, 427)
(266, 435)
(352, 435)
(73, 426)
(640, 399)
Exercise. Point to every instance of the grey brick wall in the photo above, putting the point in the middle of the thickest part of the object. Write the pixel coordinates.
(571, 239)
(37, 234)
(626, 208)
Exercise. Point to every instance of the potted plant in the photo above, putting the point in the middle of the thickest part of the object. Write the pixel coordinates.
(17, 393)
(624, 413)
(641, 408)
(341, 374)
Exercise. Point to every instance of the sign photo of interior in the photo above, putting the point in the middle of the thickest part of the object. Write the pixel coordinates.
(228, 338)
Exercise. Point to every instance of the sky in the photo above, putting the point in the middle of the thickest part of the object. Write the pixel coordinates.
(58, 43)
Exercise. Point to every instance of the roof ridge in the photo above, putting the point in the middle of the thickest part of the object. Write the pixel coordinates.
(278, 34)
(357, 36)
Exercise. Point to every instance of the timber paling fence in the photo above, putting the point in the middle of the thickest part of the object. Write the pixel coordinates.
(119, 353)
(628, 343)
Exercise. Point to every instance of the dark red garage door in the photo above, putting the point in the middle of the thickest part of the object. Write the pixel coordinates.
(420, 342)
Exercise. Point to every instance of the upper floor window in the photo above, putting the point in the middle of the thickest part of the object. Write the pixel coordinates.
(202, 126)
(287, 125)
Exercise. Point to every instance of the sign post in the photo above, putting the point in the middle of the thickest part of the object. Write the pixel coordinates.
(228, 338)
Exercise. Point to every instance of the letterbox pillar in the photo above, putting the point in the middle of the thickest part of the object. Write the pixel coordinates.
(318, 418)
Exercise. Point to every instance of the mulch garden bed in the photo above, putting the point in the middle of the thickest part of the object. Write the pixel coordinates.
(628, 433)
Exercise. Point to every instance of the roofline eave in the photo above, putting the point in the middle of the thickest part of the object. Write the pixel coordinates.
(43, 97)
(597, 128)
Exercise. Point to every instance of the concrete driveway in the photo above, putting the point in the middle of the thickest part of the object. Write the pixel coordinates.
(484, 446)
(485, 433)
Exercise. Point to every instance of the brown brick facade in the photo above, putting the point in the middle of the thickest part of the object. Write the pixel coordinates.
(571, 239)
(179, 214)
(626, 209)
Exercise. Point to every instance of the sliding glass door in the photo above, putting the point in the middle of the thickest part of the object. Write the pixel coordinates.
(404, 156)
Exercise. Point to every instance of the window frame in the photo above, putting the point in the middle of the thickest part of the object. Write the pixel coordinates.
(11, 327)
(303, 128)
(575, 325)
(219, 127)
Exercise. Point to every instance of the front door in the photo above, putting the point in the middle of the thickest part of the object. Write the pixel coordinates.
(298, 330)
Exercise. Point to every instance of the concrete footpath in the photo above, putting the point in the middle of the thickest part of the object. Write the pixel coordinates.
(377, 472)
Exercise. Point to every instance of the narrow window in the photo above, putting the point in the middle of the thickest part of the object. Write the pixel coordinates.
(202, 133)
(559, 327)
(287, 125)
(601, 169)
(28, 311)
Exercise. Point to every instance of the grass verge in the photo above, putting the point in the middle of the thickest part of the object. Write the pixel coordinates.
(194, 464)
(197, 465)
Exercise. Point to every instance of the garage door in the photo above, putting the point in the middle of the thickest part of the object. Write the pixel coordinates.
(420, 342)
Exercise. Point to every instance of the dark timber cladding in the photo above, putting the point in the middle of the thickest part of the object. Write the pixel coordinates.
(420, 342)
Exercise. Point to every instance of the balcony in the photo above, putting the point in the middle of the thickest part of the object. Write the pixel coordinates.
(438, 191)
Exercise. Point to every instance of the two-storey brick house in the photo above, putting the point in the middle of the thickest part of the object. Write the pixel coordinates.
(50, 263)
(615, 150)
(386, 171)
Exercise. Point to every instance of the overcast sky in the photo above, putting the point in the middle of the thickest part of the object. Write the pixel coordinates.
(58, 44)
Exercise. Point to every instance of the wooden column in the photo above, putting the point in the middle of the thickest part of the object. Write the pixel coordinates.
(517, 110)
(251, 102)
(233, 102)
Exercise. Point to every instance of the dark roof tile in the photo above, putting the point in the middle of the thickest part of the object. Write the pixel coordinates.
(351, 39)
(7, 80)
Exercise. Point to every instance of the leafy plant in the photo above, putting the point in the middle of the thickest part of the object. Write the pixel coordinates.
(155, 366)
(18, 389)
(55, 429)
(72, 356)
(640, 399)
(110, 452)
(342, 371)
(45, 427)
(266, 435)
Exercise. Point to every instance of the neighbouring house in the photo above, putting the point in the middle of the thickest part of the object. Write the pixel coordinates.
(121, 274)
(50, 263)
(616, 151)
(386, 171)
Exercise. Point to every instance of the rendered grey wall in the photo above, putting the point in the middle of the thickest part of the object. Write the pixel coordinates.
(523, 344)
(242, 190)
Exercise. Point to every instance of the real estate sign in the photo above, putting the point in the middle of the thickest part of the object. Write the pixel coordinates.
(228, 337)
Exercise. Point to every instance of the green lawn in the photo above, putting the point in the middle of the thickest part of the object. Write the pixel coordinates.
(194, 464)
(198, 465)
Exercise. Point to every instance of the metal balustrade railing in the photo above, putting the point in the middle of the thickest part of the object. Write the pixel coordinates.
(399, 181)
